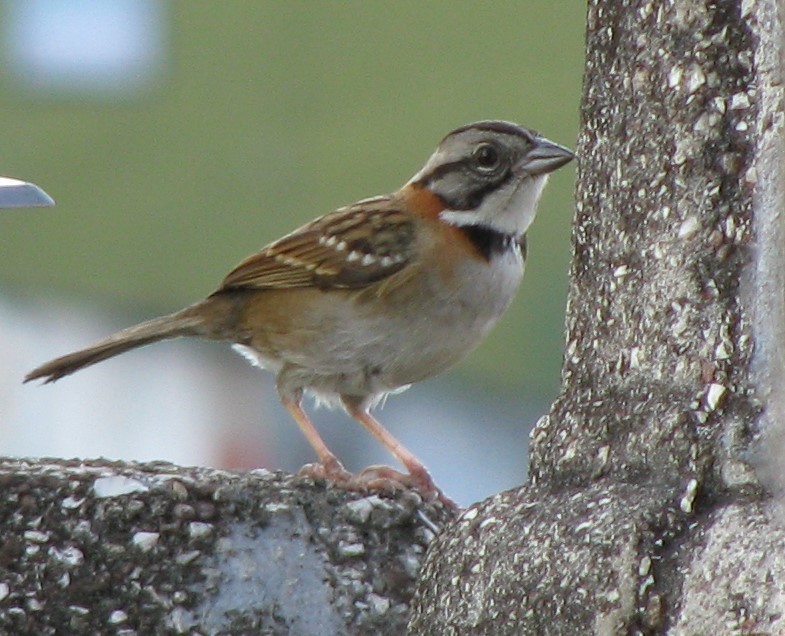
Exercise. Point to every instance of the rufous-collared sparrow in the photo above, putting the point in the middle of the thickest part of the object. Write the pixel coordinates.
(376, 295)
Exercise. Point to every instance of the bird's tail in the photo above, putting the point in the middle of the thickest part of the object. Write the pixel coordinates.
(187, 322)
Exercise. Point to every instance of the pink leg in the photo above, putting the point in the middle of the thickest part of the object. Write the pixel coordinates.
(418, 473)
(329, 467)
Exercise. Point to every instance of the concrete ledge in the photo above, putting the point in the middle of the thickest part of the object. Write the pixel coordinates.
(100, 547)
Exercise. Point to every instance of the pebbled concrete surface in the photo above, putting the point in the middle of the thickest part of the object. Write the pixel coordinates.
(105, 547)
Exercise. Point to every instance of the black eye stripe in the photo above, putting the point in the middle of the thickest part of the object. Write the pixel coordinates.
(475, 192)
(440, 171)
(472, 198)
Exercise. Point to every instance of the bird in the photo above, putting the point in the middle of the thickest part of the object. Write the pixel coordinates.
(368, 299)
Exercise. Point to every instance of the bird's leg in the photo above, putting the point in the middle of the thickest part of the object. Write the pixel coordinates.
(418, 474)
(328, 467)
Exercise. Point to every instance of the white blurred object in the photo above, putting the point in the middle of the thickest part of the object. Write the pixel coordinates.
(86, 47)
(21, 194)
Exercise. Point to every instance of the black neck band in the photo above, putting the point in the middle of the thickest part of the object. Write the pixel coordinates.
(490, 242)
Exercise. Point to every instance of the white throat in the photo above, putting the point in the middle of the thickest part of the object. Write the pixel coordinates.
(509, 210)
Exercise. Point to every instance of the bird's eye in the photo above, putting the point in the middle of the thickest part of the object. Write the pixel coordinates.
(487, 157)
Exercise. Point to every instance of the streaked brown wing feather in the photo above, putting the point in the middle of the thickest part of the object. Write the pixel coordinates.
(349, 248)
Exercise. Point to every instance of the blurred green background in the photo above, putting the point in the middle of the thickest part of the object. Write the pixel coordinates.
(266, 114)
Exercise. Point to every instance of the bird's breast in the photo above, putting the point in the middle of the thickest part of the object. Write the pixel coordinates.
(448, 315)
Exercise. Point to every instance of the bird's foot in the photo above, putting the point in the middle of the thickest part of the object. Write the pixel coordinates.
(377, 479)
(387, 479)
(330, 470)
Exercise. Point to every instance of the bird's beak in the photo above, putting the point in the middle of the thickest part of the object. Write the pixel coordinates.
(544, 157)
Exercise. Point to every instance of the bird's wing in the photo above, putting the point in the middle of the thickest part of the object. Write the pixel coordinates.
(349, 248)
